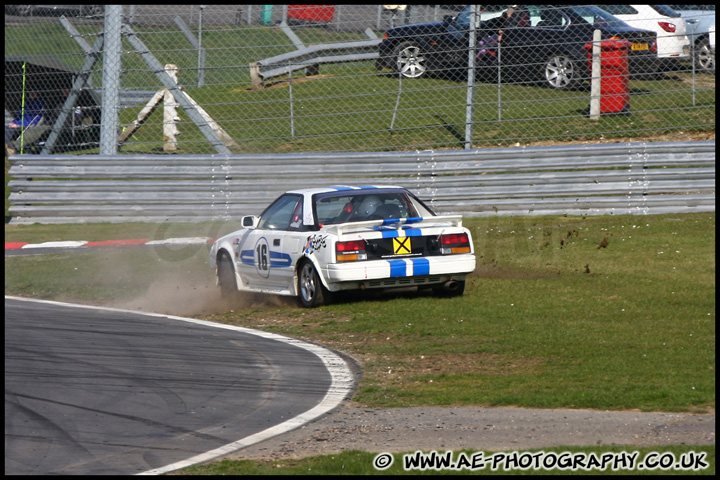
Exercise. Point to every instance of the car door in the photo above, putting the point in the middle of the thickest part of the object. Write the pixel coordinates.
(268, 254)
(527, 47)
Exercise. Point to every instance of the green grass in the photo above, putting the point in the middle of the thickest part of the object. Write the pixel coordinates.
(549, 319)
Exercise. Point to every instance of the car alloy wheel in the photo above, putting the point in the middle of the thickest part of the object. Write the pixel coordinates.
(705, 57)
(410, 63)
(560, 72)
(312, 292)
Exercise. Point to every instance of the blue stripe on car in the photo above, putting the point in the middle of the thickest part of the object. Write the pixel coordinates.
(279, 259)
(406, 233)
(421, 266)
(247, 257)
(398, 268)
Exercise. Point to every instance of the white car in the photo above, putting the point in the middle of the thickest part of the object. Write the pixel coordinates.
(313, 242)
(700, 21)
(673, 44)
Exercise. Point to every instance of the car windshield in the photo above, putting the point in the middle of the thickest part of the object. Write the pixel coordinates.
(362, 206)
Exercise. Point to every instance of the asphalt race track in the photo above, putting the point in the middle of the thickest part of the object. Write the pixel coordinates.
(107, 391)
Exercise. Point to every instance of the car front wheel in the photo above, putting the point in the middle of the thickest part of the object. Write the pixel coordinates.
(311, 292)
(410, 61)
(561, 72)
(226, 276)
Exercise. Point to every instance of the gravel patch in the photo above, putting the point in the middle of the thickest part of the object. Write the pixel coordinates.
(490, 429)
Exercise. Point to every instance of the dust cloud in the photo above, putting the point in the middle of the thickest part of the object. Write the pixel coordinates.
(181, 283)
(196, 295)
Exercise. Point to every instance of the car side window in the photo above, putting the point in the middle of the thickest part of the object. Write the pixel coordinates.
(552, 18)
(285, 213)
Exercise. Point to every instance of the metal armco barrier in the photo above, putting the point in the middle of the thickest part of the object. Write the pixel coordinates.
(624, 178)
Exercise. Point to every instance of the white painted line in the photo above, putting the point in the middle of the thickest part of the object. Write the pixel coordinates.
(180, 241)
(66, 244)
(341, 386)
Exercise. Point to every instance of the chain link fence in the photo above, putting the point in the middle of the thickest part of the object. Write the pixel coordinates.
(199, 79)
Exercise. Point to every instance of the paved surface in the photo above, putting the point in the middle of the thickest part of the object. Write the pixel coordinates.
(102, 391)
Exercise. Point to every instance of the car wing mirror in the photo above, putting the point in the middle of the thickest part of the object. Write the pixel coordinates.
(448, 19)
(249, 221)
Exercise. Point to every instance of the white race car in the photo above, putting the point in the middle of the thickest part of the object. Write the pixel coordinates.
(313, 242)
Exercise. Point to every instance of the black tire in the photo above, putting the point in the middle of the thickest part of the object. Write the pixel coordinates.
(561, 72)
(311, 292)
(409, 60)
(226, 276)
(704, 57)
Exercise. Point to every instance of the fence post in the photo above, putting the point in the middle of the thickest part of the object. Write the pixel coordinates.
(470, 80)
(111, 80)
(170, 116)
(595, 80)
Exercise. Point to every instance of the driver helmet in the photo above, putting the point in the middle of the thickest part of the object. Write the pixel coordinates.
(369, 205)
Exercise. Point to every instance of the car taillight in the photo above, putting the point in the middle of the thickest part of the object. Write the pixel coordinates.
(350, 251)
(454, 243)
(667, 26)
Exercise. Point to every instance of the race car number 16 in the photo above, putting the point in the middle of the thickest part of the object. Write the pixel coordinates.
(262, 259)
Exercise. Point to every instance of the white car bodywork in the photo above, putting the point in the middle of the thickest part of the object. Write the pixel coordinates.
(672, 40)
(396, 250)
(700, 21)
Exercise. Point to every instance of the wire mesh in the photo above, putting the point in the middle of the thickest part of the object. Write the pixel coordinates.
(289, 78)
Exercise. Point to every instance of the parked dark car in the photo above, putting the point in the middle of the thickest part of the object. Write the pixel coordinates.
(539, 43)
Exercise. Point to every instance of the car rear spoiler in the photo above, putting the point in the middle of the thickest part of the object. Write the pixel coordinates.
(396, 224)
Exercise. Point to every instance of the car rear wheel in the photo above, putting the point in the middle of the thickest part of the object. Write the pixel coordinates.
(409, 60)
(311, 292)
(704, 56)
(561, 72)
(226, 276)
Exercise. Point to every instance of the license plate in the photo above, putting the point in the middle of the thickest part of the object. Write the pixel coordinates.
(639, 46)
